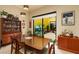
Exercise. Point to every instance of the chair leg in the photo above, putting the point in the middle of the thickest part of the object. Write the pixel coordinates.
(25, 49)
(17, 49)
(53, 49)
(50, 50)
(11, 49)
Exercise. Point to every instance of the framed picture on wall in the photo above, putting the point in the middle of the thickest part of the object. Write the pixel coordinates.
(68, 18)
(30, 24)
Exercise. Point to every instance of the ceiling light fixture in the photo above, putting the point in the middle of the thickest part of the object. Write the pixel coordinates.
(25, 7)
(22, 13)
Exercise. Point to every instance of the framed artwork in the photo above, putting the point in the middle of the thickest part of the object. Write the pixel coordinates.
(30, 24)
(68, 18)
(23, 24)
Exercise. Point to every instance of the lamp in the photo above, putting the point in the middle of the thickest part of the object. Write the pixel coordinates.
(22, 13)
(25, 7)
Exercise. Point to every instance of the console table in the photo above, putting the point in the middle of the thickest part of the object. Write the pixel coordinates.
(69, 43)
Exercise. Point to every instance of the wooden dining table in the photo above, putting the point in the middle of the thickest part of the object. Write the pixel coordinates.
(35, 43)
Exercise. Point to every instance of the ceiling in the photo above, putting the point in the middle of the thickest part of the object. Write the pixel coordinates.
(31, 7)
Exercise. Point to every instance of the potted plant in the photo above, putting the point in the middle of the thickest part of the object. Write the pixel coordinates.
(29, 33)
(3, 14)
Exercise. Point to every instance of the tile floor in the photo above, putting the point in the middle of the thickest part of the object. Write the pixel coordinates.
(6, 50)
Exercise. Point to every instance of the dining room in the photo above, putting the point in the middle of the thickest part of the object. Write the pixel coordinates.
(16, 36)
(39, 29)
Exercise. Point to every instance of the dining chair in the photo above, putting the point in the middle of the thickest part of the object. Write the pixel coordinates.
(13, 44)
(51, 49)
(51, 36)
(17, 45)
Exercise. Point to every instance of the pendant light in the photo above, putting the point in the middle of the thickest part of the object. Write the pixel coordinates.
(22, 13)
(26, 7)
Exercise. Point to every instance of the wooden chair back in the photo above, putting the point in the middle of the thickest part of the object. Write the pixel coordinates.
(16, 44)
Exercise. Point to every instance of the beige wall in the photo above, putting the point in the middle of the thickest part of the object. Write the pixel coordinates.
(13, 9)
(59, 10)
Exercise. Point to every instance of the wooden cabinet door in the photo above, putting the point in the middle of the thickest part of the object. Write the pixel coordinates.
(76, 45)
(69, 44)
(73, 45)
(6, 39)
(62, 42)
(59, 42)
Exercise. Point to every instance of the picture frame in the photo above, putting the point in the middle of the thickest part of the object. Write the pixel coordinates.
(68, 18)
(30, 24)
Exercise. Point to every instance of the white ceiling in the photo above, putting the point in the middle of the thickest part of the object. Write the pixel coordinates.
(31, 7)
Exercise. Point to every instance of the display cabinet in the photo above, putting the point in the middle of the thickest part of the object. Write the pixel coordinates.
(7, 28)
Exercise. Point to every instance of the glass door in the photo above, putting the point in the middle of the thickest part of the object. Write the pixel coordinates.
(37, 26)
(49, 24)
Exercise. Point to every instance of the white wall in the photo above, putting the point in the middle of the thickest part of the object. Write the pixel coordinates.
(13, 9)
(60, 9)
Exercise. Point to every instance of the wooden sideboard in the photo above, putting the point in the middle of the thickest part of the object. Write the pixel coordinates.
(69, 43)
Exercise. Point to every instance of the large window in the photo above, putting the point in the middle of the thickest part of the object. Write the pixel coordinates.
(44, 23)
